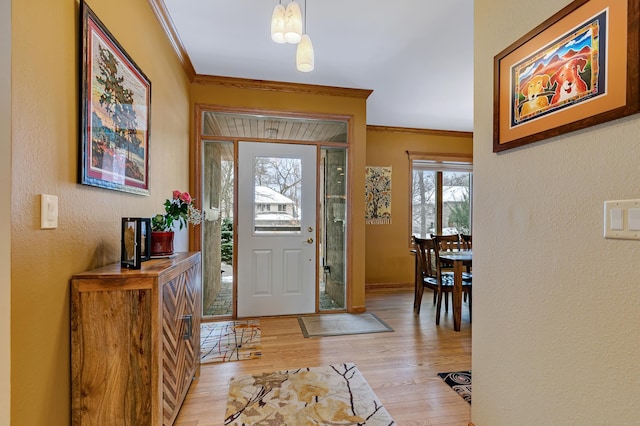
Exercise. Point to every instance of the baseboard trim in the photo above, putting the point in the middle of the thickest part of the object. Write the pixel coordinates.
(372, 286)
(358, 310)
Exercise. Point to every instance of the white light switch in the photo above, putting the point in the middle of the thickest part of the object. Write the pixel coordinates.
(622, 219)
(634, 219)
(48, 211)
(616, 219)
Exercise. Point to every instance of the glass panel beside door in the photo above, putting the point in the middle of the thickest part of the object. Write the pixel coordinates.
(333, 223)
(217, 228)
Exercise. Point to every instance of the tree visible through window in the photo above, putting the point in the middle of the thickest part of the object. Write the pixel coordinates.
(441, 194)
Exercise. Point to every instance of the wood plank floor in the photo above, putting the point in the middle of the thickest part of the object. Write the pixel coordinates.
(401, 366)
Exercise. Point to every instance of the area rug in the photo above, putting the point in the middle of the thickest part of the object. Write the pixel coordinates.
(339, 324)
(331, 395)
(229, 341)
(459, 381)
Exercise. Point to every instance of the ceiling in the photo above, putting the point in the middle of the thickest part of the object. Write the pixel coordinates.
(416, 55)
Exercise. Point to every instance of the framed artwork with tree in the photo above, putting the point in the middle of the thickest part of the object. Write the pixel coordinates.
(116, 101)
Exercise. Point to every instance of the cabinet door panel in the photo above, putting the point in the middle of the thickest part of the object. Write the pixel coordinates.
(193, 306)
(173, 363)
(104, 373)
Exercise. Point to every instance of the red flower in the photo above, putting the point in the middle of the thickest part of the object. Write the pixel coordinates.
(185, 197)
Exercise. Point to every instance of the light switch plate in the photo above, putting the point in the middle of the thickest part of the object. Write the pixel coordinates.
(622, 219)
(48, 211)
(634, 219)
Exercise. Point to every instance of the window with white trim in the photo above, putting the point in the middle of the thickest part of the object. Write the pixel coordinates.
(441, 194)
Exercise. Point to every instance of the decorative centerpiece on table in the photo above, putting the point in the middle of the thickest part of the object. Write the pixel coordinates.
(179, 211)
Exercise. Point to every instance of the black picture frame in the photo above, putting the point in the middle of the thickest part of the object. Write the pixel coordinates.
(145, 239)
(115, 101)
(135, 242)
(130, 244)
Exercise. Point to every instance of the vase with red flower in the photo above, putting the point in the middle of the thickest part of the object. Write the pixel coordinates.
(179, 211)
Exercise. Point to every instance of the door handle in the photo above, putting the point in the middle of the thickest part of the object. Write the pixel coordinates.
(188, 320)
(309, 240)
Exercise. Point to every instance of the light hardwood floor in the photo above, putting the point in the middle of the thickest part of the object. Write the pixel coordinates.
(401, 366)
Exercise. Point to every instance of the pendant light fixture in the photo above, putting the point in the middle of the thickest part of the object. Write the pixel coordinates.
(286, 27)
(293, 23)
(304, 53)
(277, 24)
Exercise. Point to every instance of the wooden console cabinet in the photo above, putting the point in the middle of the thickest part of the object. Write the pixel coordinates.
(135, 341)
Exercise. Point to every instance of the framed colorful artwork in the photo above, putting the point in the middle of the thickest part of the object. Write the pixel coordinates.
(577, 69)
(115, 102)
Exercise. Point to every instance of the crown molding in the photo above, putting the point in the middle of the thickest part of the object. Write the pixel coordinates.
(429, 132)
(278, 86)
(160, 10)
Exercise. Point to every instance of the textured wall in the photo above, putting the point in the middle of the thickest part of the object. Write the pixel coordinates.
(45, 87)
(387, 255)
(5, 208)
(555, 305)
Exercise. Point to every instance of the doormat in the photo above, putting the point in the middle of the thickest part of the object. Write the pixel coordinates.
(459, 381)
(331, 395)
(229, 341)
(340, 324)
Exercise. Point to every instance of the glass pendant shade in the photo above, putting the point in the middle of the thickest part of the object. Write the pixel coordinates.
(304, 54)
(293, 23)
(277, 24)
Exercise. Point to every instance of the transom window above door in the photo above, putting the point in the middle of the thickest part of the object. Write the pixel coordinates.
(254, 126)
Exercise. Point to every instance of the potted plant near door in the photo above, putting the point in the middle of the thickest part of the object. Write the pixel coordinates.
(179, 211)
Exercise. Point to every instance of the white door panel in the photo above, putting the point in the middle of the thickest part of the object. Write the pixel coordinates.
(276, 232)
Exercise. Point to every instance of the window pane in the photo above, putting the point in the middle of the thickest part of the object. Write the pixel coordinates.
(217, 228)
(278, 187)
(423, 217)
(449, 214)
(456, 202)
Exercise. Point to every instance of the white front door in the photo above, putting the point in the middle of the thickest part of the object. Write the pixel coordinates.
(276, 229)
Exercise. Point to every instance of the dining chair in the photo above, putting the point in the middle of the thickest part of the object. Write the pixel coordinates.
(465, 241)
(444, 272)
(426, 277)
(465, 244)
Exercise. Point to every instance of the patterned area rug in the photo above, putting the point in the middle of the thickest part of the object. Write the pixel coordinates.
(229, 341)
(339, 324)
(333, 395)
(459, 381)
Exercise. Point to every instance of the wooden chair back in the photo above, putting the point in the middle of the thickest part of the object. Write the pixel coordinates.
(465, 241)
(424, 250)
(446, 242)
(426, 275)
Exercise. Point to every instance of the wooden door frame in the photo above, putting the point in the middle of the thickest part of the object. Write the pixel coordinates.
(196, 165)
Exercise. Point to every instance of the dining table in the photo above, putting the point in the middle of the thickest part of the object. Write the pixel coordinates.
(460, 260)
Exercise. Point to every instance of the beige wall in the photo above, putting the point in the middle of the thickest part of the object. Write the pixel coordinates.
(387, 256)
(45, 124)
(5, 211)
(237, 97)
(555, 305)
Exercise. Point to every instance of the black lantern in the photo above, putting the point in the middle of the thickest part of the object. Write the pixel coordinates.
(135, 240)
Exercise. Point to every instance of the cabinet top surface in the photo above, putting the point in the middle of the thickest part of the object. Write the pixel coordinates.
(151, 267)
